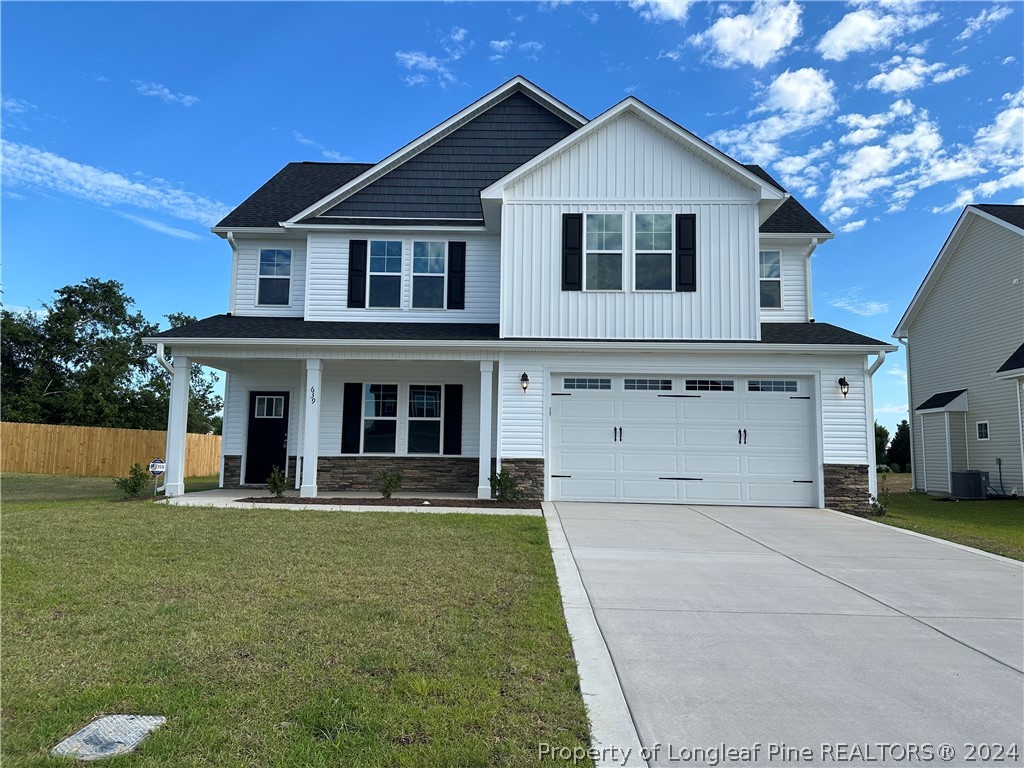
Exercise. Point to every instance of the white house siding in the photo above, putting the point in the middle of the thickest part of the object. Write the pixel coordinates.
(257, 376)
(794, 282)
(629, 166)
(328, 279)
(246, 276)
(970, 322)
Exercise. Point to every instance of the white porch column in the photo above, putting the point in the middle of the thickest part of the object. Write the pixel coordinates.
(311, 427)
(177, 424)
(483, 486)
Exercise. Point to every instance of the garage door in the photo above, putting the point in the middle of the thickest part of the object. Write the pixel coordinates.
(706, 439)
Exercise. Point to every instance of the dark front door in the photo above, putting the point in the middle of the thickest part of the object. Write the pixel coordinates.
(267, 445)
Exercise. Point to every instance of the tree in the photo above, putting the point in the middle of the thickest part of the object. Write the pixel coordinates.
(881, 441)
(82, 362)
(899, 448)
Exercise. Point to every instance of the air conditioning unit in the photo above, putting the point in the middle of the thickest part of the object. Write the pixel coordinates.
(968, 484)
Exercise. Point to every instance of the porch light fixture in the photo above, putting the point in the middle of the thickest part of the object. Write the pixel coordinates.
(844, 386)
(524, 381)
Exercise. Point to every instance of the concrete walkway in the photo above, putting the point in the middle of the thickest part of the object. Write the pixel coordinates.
(803, 629)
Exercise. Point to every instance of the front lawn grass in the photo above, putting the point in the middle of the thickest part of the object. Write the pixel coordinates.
(995, 526)
(285, 638)
(25, 487)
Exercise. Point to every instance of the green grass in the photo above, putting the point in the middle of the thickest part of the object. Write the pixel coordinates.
(21, 487)
(284, 638)
(994, 526)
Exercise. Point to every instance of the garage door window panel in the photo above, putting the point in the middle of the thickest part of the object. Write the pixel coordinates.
(586, 383)
(710, 385)
(648, 385)
(771, 385)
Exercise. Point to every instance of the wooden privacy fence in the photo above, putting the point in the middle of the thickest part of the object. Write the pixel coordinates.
(97, 451)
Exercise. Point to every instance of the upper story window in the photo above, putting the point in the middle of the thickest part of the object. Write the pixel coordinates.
(653, 256)
(384, 288)
(428, 275)
(602, 264)
(771, 279)
(275, 279)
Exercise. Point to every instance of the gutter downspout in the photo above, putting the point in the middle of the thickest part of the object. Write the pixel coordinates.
(878, 362)
(234, 272)
(167, 367)
(905, 342)
(807, 280)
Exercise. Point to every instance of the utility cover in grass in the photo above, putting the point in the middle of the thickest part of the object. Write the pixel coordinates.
(108, 736)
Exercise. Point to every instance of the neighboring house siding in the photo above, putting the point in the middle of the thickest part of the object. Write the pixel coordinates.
(794, 283)
(246, 278)
(935, 468)
(968, 325)
(629, 166)
(328, 278)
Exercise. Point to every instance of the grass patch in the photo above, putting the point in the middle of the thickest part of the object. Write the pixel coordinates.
(284, 638)
(995, 526)
(24, 487)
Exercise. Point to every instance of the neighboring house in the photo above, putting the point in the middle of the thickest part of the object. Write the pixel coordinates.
(964, 333)
(609, 309)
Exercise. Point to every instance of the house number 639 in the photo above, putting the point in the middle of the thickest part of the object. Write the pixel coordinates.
(312, 395)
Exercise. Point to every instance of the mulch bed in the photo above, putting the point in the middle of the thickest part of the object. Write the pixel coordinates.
(379, 502)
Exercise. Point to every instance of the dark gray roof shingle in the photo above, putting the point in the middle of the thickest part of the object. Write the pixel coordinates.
(1013, 362)
(1011, 214)
(296, 329)
(940, 400)
(791, 217)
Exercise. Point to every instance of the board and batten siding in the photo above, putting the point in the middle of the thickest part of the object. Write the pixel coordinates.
(328, 279)
(794, 264)
(968, 325)
(629, 166)
(246, 277)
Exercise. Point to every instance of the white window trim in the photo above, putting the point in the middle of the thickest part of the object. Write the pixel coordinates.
(259, 277)
(671, 254)
(414, 274)
(622, 253)
(782, 293)
(400, 275)
(409, 419)
(988, 431)
(396, 418)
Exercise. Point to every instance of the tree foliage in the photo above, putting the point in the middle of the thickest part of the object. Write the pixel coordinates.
(82, 362)
(899, 448)
(881, 441)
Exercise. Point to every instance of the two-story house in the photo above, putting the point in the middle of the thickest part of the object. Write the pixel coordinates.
(964, 333)
(609, 309)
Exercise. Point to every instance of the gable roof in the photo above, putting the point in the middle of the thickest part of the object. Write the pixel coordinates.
(1014, 362)
(791, 217)
(1001, 215)
(945, 401)
(517, 85)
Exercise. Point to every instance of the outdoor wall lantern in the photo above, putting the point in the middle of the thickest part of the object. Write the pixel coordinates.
(524, 380)
(844, 386)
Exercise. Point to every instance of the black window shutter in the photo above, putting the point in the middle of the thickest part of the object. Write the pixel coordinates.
(456, 275)
(572, 251)
(452, 420)
(351, 417)
(356, 274)
(686, 252)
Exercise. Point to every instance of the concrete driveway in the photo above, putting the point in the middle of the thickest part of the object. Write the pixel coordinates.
(803, 629)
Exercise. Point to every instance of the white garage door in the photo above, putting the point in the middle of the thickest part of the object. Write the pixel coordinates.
(707, 439)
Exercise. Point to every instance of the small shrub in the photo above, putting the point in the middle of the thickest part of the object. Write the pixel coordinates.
(277, 483)
(136, 482)
(389, 481)
(882, 500)
(505, 487)
(883, 468)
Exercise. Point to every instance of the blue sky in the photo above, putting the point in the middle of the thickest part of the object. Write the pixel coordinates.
(130, 128)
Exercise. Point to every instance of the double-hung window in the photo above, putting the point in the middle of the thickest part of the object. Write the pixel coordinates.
(275, 278)
(380, 418)
(384, 287)
(428, 275)
(425, 418)
(771, 279)
(653, 254)
(602, 264)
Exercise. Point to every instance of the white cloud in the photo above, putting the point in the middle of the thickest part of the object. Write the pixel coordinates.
(329, 154)
(164, 93)
(157, 226)
(756, 39)
(851, 301)
(423, 68)
(1008, 60)
(984, 21)
(796, 100)
(458, 34)
(16, 106)
(804, 172)
(501, 46)
(890, 408)
(897, 372)
(455, 43)
(27, 167)
(869, 29)
(901, 74)
(853, 226)
(531, 49)
(662, 10)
